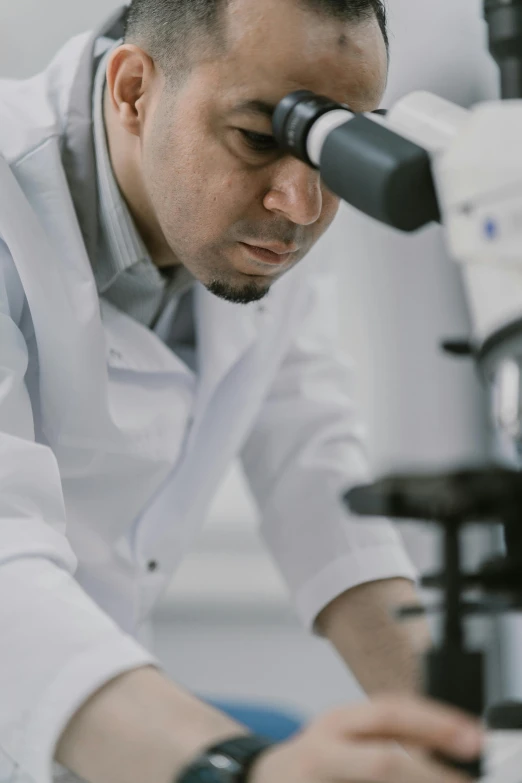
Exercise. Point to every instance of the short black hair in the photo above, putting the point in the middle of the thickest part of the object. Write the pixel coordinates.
(354, 10)
(163, 26)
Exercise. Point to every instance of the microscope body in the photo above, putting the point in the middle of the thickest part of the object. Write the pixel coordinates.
(431, 160)
(477, 169)
(476, 165)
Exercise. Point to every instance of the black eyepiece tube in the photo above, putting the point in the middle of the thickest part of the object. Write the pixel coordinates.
(367, 164)
(295, 115)
(504, 18)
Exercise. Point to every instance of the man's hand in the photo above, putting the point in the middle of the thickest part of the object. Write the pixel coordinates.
(360, 744)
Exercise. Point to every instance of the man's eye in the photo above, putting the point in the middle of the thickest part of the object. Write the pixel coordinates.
(260, 142)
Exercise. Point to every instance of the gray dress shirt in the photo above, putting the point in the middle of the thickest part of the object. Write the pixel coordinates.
(124, 272)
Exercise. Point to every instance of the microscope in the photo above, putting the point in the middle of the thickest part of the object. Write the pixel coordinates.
(428, 160)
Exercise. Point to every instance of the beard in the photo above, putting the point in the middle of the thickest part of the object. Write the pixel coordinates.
(250, 292)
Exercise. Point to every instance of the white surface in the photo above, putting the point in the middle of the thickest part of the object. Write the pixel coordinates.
(504, 757)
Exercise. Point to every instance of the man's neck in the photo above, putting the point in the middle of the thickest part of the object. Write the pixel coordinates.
(127, 174)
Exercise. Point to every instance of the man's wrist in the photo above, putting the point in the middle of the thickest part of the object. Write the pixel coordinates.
(384, 654)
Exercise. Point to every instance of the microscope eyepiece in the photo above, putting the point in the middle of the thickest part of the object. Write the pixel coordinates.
(367, 164)
(293, 118)
(504, 18)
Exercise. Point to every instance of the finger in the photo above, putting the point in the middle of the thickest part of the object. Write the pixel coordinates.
(415, 721)
(383, 762)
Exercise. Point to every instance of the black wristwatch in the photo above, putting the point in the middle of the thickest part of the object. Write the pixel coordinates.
(227, 762)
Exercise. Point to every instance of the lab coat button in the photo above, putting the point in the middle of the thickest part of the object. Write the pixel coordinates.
(152, 565)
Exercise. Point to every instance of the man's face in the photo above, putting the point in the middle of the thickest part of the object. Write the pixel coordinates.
(233, 209)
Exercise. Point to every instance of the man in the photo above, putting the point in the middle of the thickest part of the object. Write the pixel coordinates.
(144, 210)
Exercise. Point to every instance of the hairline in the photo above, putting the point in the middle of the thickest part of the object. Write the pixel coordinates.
(217, 24)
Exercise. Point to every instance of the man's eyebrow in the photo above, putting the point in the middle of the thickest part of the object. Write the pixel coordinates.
(256, 107)
(268, 109)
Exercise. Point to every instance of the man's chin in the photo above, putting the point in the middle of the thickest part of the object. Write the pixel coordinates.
(238, 294)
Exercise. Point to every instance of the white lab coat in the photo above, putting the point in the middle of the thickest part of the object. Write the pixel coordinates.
(111, 448)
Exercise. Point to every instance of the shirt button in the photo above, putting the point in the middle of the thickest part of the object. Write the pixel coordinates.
(152, 565)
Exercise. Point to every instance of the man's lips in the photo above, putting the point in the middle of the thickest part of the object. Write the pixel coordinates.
(271, 254)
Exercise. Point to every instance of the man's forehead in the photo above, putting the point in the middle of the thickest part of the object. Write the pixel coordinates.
(258, 96)
(324, 55)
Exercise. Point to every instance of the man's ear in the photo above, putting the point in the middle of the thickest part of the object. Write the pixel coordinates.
(130, 73)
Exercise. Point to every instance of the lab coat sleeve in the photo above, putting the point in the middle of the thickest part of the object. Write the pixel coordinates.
(56, 645)
(304, 452)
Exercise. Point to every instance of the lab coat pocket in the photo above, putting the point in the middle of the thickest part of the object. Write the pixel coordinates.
(151, 391)
(152, 411)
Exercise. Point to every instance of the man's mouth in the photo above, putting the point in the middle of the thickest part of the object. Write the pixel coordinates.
(271, 254)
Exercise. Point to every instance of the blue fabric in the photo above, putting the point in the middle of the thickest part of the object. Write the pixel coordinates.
(273, 723)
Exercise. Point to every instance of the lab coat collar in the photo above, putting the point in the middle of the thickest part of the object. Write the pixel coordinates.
(78, 151)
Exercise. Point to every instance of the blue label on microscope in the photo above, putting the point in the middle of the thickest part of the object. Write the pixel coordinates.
(491, 229)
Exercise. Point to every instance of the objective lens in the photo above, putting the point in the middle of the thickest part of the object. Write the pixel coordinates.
(293, 118)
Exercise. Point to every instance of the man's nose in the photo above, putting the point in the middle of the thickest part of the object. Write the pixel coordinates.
(295, 192)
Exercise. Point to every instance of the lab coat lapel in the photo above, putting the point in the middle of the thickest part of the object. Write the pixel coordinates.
(226, 338)
(60, 291)
(225, 332)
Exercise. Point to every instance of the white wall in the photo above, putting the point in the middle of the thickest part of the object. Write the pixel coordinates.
(31, 31)
(225, 627)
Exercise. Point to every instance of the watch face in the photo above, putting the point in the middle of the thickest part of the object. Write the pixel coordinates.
(225, 764)
(214, 768)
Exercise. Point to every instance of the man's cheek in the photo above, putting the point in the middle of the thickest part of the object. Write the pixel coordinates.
(330, 209)
(331, 202)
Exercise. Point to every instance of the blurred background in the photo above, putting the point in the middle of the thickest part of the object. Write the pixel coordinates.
(226, 628)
